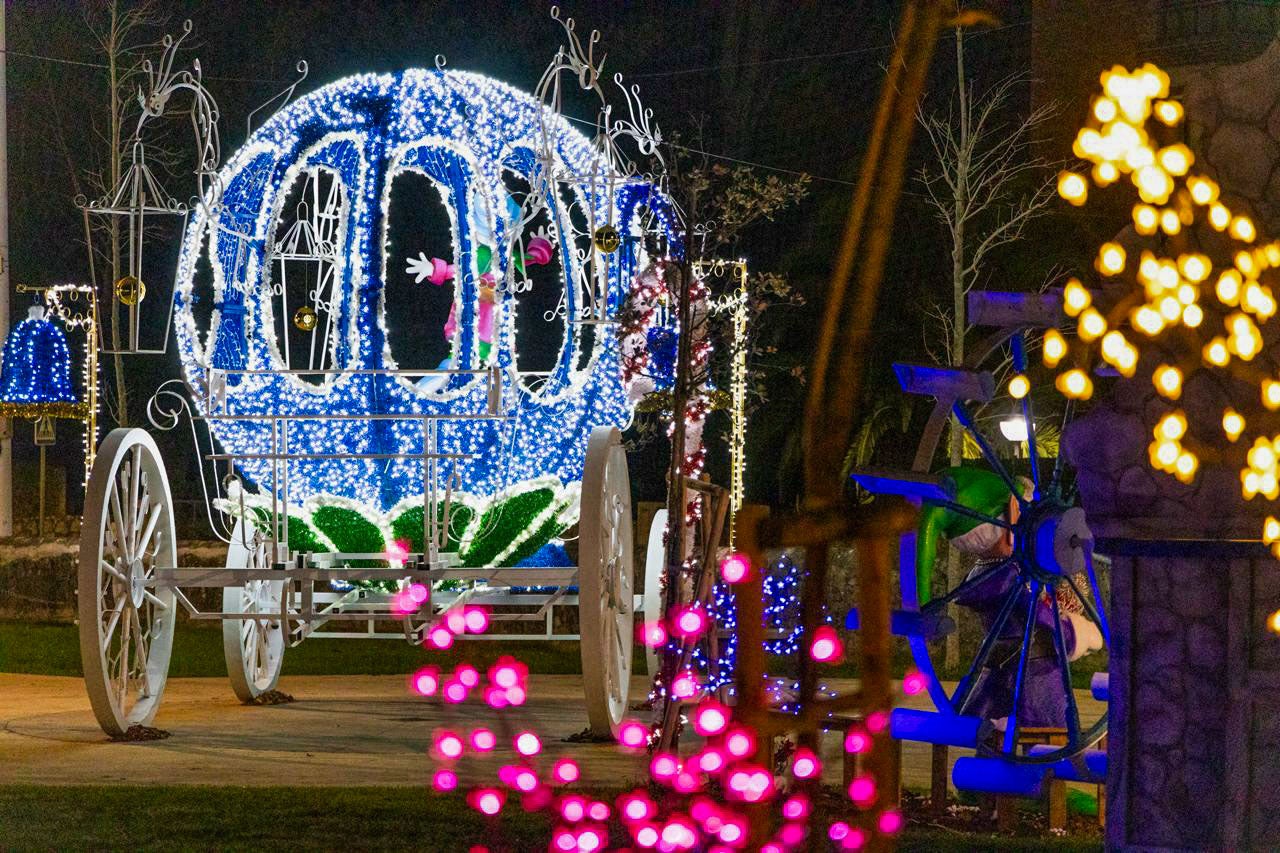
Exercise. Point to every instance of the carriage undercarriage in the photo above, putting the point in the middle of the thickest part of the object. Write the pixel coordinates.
(274, 597)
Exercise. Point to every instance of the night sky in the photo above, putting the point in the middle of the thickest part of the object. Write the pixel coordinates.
(772, 82)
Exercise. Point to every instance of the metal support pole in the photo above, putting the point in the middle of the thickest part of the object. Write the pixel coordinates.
(6, 425)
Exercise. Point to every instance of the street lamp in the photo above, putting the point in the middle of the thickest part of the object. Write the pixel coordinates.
(1014, 429)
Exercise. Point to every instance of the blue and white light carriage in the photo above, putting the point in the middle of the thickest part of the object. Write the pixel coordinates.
(347, 480)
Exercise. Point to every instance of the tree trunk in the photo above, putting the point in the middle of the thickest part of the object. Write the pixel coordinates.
(951, 567)
(113, 54)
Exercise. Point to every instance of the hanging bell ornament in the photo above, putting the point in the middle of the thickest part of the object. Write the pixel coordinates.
(305, 318)
(606, 239)
(130, 290)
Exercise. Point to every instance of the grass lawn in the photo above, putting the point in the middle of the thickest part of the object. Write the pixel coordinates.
(225, 818)
(54, 649)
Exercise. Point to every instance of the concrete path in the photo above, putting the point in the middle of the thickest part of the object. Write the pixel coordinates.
(342, 730)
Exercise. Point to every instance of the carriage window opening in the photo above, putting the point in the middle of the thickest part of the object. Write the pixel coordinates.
(305, 295)
(202, 295)
(537, 283)
(580, 229)
(421, 279)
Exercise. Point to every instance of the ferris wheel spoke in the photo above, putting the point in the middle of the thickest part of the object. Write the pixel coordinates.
(1024, 657)
(1093, 612)
(970, 679)
(963, 415)
(1060, 644)
(967, 585)
(1101, 612)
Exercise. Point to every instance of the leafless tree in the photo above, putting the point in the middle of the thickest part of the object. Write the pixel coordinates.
(125, 33)
(985, 186)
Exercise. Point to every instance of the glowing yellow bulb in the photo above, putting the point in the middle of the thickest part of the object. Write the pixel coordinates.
(1242, 229)
(1055, 348)
(1076, 384)
(1092, 325)
(1176, 159)
(1192, 316)
(1247, 264)
(1185, 467)
(1228, 288)
(1105, 173)
(1169, 221)
(1139, 156)
(1073, 188)
(1145, 219)
(1203, 190)
(1219, 217)
(1019, 385)
(1172, 426)
(1262, 458)
(1194, 267)
(1153, 183)
(1113, 343)
(1168, 381)
(1075, 297)
(1246, 340)
(1110, 259)
(1168, 112)
(1166, 454)
(1104, 109)
(1088, 143)
(1187, 294)
(1232, 423)
(1273, 622)
(1170, 308)
(1148, 320)
(1271, 531)
(1216, 353)
(1127, 361)
(1271, 394)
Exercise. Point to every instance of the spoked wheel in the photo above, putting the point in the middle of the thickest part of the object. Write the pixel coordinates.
(1033, 585)
(605, 581)
(126, 616)
(655, 559)
(254, 648)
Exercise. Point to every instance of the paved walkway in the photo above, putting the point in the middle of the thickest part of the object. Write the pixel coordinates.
(342, 730)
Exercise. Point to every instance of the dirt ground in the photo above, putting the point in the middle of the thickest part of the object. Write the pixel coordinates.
(341, 730)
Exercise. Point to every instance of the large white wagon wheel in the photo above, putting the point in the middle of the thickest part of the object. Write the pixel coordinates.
(126, 616)
(654, 563)
(253, 648)
(605, 581)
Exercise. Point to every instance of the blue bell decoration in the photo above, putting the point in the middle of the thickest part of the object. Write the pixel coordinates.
(35, 371)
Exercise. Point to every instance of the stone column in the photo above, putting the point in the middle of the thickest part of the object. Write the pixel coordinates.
(1194, 736)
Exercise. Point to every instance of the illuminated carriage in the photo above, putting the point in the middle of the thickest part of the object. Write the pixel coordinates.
(348, 485)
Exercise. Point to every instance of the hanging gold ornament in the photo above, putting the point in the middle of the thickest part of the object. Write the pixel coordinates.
(607, 239)
(305, 318)
(130, 290)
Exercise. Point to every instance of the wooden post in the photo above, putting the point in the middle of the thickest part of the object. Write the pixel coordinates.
(939, 764)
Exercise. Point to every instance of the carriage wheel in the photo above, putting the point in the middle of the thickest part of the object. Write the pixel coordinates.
(126, 616)
(605, 582)
(655, 559)
(1052, 558)
(253, 648)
